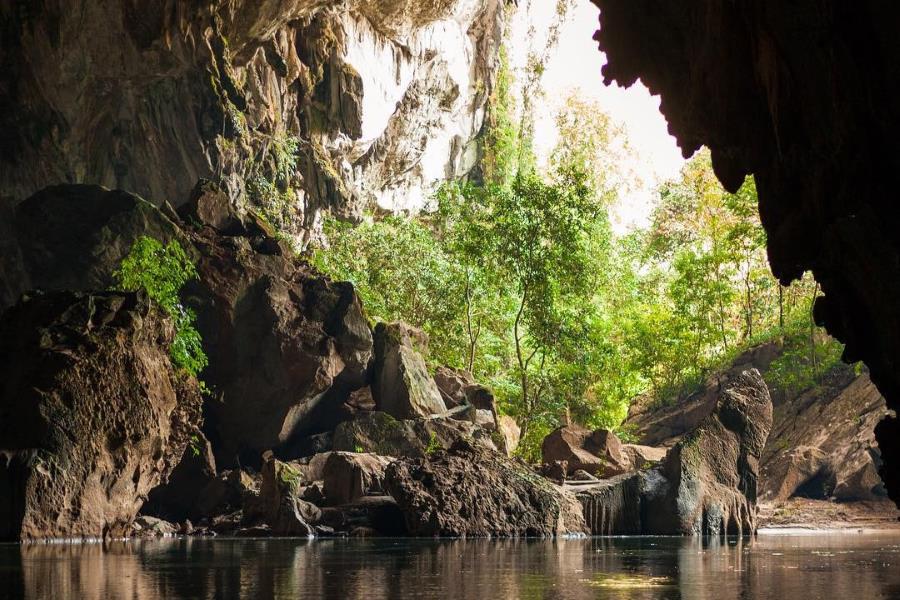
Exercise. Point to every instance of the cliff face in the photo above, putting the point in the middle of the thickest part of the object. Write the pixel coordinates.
(295, 106)
(821, 443)
(801, 95)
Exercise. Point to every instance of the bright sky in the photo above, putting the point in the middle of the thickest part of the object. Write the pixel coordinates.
(576, 65)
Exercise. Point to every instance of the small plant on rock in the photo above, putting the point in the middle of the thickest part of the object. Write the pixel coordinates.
(161, 271)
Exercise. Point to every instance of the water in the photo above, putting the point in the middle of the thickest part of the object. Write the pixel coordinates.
(792, 567)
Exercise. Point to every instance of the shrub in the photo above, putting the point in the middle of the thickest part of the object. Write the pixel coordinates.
(161, 271)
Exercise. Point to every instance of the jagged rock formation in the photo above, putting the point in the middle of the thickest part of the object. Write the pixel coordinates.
(381, 433)
(305, 104)
(72, 237)
(802, 96)
(402, 386)
(471, 492)
(286, 346)
(707, 483)
(92, 413)
(822, 442)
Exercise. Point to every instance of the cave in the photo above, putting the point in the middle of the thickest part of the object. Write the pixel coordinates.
(222, 139)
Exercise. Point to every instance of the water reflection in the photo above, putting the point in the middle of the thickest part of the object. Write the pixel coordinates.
(844, 566)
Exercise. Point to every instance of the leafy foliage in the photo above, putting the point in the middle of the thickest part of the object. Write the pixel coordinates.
(161, 271)
(519, 279)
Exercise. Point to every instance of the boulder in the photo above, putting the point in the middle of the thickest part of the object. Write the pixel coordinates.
(279, 503)
(642, 457)
(209, 205)
(93, 415)
(178, 498)
(286, 347)
(349, 476)
(224, 494)
(401, 384)
(470, 492)
(598, 452)
(452, 384)
(73, 237)
(706, 484)
(712, 474)
(511, 433)
(382, 434)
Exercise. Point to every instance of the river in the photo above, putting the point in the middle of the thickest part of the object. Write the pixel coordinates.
(835, 566)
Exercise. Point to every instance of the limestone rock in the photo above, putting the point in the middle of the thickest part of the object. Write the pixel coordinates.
(511, 433)
(286, 346)
(178, 498)
(706, 485)
(370, 103)
(92, 413)
(598, 452)
(73, 237)
(452, 384)
(280, 505)
(401, 384)
(470, 492)
(349, 476)
(642, 457)
(822, 432)
(382, 434)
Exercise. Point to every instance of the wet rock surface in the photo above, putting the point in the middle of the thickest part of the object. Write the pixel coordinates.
(92, 414)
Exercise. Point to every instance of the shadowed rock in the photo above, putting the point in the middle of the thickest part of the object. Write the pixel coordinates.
(707, 483)
(92, 413)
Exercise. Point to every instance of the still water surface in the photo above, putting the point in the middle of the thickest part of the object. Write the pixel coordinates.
(793, 567)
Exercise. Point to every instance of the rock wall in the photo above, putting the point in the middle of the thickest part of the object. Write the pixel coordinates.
(294, 106)
(92, 413)
(822, 442)
(802, 96)
(286, 346)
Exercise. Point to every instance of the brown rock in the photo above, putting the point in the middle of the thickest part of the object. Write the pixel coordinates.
(92, 414)
(178, 498)
(209, 205)
(280, 505)
(380, 433)
(471, 492)
(286, 347)
(349, 476)
(706, 484)
(511, 433)
(599, 452)
(452, 384)
(401, 384)
(642, 457)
